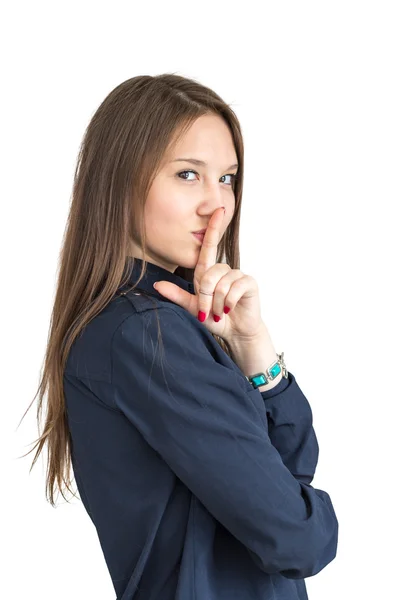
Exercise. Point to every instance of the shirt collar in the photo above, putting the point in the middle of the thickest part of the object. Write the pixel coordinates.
(156, 273)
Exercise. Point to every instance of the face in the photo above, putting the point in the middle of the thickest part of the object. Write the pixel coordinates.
(180, 202)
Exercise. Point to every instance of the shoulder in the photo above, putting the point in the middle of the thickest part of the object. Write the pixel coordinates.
(90, 354)
(152, 317)
(129, 319)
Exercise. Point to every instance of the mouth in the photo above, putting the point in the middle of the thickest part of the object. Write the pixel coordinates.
(198, 236)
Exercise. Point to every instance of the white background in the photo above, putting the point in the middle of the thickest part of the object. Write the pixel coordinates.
(316, 88)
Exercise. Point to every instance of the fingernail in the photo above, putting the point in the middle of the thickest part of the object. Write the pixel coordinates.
(226, 309)
(201, 316)
(216, 318)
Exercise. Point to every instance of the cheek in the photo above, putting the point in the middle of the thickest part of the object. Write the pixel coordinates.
(169, 211)
(170, 205)
(166, 218)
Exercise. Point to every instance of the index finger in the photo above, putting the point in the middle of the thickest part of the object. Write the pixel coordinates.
(209, 248)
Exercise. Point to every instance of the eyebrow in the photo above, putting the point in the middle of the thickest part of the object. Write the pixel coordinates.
(198, 162)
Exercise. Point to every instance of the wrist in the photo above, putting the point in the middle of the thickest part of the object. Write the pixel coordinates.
(256, 355)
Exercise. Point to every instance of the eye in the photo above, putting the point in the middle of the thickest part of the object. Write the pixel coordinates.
(232, 175)
(182, 172)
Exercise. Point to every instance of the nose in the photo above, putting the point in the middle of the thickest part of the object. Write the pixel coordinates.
(214, 198)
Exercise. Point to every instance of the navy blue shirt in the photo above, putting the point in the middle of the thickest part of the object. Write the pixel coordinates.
(198, 485)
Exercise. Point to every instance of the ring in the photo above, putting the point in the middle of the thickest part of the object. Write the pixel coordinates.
(206, 293)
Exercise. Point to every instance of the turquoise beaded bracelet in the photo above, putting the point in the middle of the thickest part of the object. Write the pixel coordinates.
(259, 379)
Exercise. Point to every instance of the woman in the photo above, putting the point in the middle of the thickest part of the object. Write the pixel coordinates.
(192, 458)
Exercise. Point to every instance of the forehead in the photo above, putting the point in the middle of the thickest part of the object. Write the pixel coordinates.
(208, 139)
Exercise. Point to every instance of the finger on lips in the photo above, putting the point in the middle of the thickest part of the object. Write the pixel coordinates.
(207, 259)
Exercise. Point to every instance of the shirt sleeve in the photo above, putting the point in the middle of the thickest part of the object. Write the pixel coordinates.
(290, 428)
(282, 385)
(213, 434)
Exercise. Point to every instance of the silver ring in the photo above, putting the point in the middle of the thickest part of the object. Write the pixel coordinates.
(206, 293)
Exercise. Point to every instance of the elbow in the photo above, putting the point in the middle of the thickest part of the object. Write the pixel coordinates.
(315, 559)
(320, 538)
(302, 562)
(306, 548)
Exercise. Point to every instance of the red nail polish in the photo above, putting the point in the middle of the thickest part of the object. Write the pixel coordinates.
(217, 318)
(201, 316)
(226, 309)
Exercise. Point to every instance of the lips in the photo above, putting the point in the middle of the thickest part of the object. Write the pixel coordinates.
(200, 231)
(198, 236)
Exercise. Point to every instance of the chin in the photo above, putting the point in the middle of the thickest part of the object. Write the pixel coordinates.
(189, 262)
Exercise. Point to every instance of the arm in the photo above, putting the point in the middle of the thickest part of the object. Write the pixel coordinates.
(208, 429)
(291, 431)
(289, 414)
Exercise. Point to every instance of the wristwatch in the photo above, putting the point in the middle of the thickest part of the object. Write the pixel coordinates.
(259, 379)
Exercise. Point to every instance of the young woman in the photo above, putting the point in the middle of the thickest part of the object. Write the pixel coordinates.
(191, 444)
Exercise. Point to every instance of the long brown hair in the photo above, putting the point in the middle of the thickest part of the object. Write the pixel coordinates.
(120, 154)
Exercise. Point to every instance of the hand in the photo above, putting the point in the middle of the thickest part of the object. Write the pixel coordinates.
(231, 287)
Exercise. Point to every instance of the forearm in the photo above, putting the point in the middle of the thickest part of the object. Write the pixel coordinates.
(289, 414)
(255, 356)
(291, 431)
